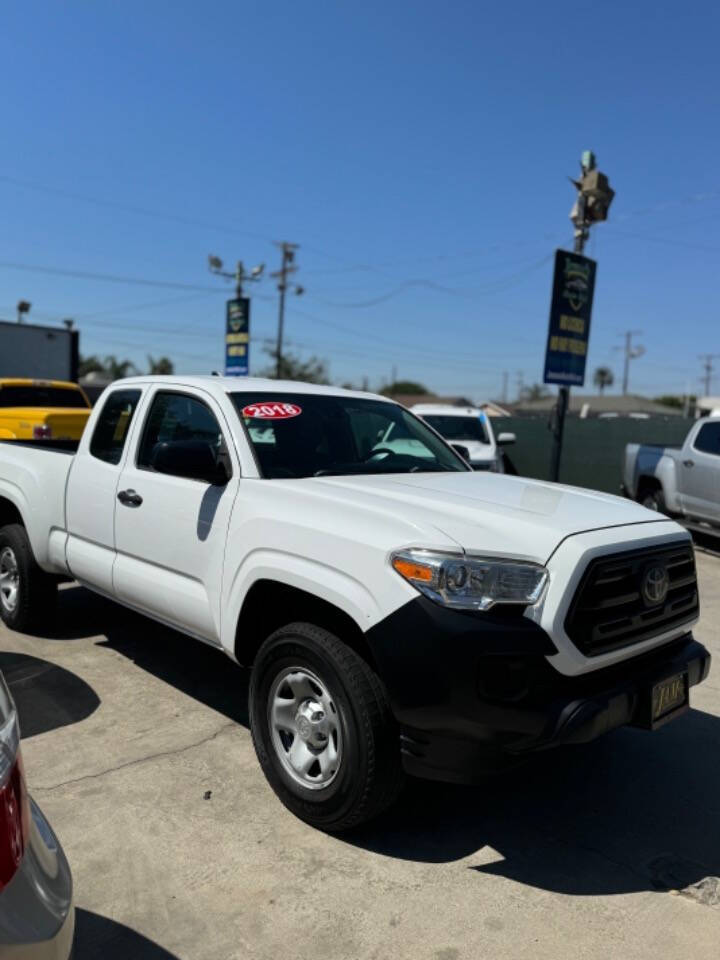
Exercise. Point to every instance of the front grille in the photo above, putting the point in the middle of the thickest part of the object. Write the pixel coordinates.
(609, 610)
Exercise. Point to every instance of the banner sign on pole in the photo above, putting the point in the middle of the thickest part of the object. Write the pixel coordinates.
(569, 330)
(237, 337)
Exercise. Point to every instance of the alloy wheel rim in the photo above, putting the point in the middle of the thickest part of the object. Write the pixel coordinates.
(9, 580)
(305, 728)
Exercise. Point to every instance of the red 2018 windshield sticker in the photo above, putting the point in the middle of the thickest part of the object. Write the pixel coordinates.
(271, 410)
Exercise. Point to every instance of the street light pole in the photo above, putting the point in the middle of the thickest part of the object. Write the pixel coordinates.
(594, 197)
(563, 401)
(23, 307)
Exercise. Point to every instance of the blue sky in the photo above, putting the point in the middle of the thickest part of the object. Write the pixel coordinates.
(417, 152)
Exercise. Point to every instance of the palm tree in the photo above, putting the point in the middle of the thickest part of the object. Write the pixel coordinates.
(536, 392)
(603, 377)
(163, 365)
(117, 369)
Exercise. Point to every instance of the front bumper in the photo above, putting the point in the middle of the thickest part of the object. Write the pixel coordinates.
(473, 694)
(37, 916)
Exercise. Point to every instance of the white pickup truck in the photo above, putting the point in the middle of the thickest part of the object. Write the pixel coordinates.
(401, 612)
(684, 481)
(469, 431)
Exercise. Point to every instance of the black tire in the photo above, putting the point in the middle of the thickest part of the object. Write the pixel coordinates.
(369, 776)
(653, 499)
(36, 590)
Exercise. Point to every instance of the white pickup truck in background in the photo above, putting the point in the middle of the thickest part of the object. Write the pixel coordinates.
(470, 432)
(401, 613)
(682, 481)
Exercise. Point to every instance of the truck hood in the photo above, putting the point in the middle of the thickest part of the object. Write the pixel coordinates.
(492, 514)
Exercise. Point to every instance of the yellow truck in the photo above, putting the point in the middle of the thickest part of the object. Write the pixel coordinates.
(42, 410)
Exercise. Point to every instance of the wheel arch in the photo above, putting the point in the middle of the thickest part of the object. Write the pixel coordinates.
(647, 483)
(9, 513)
(270, 604)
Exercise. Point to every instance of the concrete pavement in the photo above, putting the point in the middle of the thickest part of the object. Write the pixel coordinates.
(136, 746)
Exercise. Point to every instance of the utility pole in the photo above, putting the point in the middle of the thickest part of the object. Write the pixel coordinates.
(287, 267)
(709, 368)
(503, 395)
(630, 354)
(594, 197)
(520, 380)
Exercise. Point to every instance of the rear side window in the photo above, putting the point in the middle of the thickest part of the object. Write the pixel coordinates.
(42, 396)
(708, 439)
(177, 417)
(111, 430)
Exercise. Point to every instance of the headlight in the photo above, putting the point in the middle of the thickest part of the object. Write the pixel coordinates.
(470, 583)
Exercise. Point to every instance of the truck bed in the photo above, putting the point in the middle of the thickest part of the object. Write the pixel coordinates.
(33, 479)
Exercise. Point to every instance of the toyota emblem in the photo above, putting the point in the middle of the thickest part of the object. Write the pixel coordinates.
(655, 585)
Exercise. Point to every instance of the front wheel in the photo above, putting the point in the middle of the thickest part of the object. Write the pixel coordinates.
(322, 728)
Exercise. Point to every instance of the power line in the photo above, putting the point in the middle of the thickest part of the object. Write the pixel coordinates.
(131, 208)
(104, 277)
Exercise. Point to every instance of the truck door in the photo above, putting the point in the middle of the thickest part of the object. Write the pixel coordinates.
(92, 485)
(171, 521)
(700, 473)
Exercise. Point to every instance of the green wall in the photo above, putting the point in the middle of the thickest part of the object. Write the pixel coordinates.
(593, 450)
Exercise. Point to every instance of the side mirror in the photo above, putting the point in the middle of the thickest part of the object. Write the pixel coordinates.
(192, 459)
(506, 439)
(462, 450)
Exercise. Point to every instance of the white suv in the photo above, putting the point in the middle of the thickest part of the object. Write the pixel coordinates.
(469, 430)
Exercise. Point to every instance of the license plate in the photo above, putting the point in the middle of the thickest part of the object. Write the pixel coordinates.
(668, 697)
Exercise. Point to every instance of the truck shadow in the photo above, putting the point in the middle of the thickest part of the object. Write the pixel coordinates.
(47, 696)
(79, 613)
(194, 668)
(634, 811)
(97, 936)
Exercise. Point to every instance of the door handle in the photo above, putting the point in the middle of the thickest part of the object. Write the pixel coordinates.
(128, 498)
(688, 463)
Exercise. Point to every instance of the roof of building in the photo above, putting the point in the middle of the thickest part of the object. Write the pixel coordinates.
(599, 403)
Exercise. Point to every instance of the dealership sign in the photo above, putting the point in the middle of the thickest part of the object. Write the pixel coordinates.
(570, 311)
(237, 337)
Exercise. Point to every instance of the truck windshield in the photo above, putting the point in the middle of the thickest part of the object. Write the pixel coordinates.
(314, 435)
(458, 428)
(38, 396)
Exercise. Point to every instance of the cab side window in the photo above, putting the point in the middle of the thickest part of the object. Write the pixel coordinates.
(111, 429)
(179, 419)
(708, 439)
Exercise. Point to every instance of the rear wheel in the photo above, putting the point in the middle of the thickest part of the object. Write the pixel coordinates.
(322, 728)
(653, 499)
(27, 593)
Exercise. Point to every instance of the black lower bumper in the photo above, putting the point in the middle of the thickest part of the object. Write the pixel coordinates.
(474, 694)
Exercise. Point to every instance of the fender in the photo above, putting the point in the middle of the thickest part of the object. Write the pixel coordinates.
(15, 495)
(325, 582)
